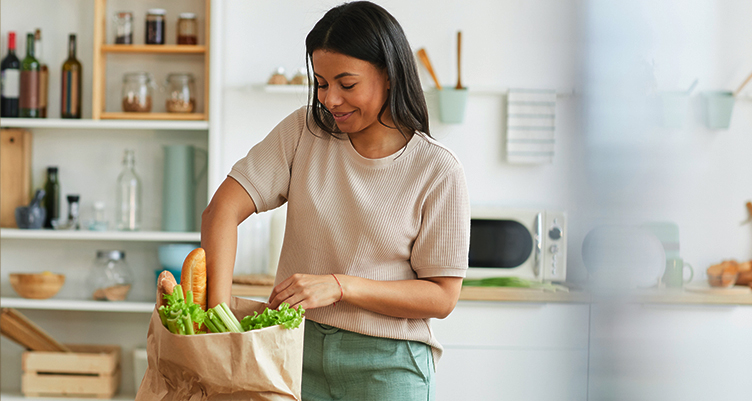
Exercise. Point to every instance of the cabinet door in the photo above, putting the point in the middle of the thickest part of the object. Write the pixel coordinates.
(671, 352)
(513, 351)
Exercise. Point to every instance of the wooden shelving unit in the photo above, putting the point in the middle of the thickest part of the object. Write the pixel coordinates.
(99, 70)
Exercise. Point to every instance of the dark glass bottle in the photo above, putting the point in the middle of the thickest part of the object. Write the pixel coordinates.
(51, 197)
(29, 96)
(11, 80)
(70, 101)
(44, 74)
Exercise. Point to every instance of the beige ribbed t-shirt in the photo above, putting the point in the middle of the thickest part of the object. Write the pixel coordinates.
(401, 217)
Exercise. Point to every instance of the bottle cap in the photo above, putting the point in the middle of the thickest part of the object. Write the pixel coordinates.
(73, 198)
(112, 255)
(52, 169)
(11, 40)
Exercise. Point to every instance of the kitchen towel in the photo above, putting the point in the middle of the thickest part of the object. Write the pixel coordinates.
(530, 126)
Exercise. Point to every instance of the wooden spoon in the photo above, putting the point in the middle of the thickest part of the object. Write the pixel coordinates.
(427, 63)
(736, 93)
(459, 56)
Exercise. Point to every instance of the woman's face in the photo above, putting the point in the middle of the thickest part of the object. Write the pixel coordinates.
(353, 90)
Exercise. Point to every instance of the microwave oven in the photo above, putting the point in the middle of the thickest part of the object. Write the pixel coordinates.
(524, 243)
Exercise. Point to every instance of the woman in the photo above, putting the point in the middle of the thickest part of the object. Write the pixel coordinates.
(377, 231)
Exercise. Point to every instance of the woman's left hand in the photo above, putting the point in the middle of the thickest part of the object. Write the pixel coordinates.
(306, 290)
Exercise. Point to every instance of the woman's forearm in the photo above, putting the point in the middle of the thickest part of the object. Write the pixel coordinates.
(414, 299)
(229, 206)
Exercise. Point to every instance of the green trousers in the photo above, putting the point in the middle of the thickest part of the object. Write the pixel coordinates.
(342, 365)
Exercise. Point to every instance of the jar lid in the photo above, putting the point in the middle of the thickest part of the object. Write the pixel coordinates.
(125, 14)
(187, 16)
(180, 76)
(137, 76)
(156, 11)
(111, 255)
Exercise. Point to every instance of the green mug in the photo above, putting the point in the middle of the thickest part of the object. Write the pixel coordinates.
(673, 277)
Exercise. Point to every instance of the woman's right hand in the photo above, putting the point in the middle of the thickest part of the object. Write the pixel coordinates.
(229, 207)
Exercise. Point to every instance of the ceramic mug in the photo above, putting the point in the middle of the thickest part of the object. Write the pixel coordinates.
(673, 277)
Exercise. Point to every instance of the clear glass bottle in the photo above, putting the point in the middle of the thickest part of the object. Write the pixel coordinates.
(137, 92)
(128, 207)
(110, 278)
(180, 93)
(187, 29)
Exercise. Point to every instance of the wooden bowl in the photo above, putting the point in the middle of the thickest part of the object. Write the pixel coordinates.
(37, 285)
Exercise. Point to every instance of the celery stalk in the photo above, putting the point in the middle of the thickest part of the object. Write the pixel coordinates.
(210, 326)
(163, 315)
(188, 323)
(179, 290)
(189, 297)
(226, 320)
(216, 321)
(172, 325)
(231, 317)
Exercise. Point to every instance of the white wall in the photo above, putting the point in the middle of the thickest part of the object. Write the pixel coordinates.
(613, 164)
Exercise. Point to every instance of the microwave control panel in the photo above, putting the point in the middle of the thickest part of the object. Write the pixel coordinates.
(555, 246)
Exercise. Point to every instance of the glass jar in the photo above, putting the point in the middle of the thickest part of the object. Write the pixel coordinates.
(187, 29)
(137, 92)
(109, 277)
(180, 93)
(124, 28)
(155, 26)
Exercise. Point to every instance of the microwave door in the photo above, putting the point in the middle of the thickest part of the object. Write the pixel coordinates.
(501, 248)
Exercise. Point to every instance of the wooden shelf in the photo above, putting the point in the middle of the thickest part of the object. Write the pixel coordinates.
(65, 123)
(99, 67)
(77, 305)
(154, 49)
(17, 396)
(86, 235)
(153, 116)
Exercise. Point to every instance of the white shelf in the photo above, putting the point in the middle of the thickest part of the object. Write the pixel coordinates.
(476, 90)
(102, 124)
(20, 397)
(86, 235)
(77, 305)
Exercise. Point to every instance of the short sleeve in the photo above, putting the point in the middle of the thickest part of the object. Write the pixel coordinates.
(265, 171)
(442, 245)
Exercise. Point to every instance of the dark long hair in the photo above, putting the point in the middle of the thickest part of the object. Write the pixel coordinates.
(368, 32)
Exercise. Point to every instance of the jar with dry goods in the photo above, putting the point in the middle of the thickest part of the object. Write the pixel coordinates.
(124, 28)
(181, 89)
(137, 92)
(155, 26)
(187, 29)
(110, 278)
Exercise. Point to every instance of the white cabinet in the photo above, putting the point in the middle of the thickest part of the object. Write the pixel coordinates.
(513, 351)
(663, 352)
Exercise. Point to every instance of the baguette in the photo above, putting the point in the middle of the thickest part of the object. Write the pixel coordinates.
(165, 285)
(193, 276)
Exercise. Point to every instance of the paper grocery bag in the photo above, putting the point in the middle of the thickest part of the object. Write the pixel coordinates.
(263, 364)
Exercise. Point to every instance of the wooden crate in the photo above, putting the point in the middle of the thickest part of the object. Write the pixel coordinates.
(89, 371)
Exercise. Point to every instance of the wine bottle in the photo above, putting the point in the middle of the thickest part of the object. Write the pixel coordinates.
(11, 80)
(70, 102)
(44, 76)
(52, 197)
(29, 95)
